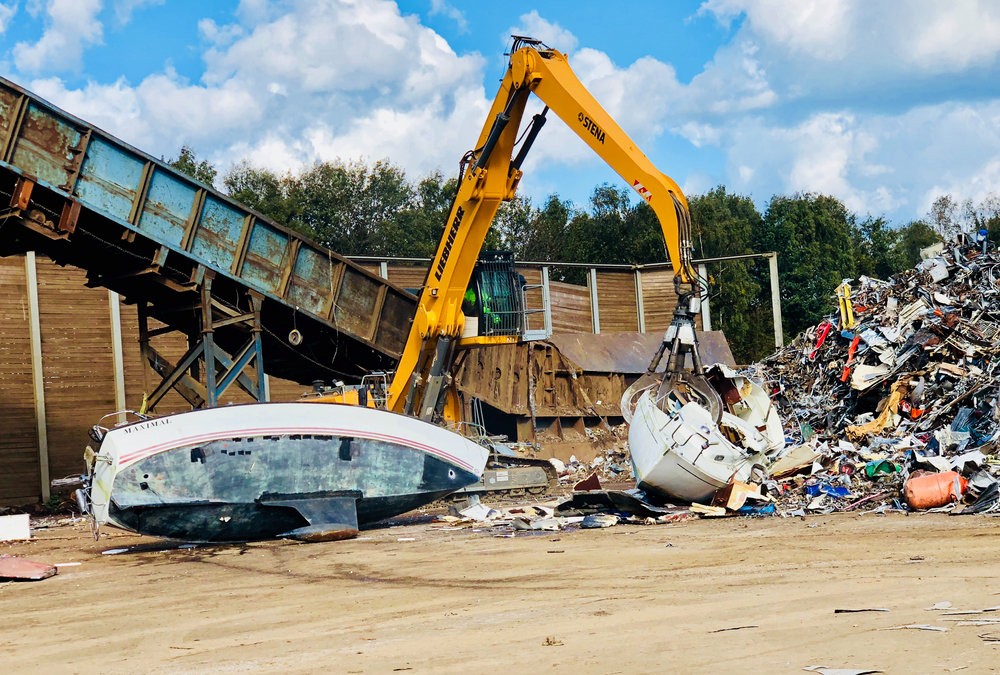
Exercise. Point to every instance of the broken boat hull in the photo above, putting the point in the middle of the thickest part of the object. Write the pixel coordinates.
(312, 471)
(684, 455)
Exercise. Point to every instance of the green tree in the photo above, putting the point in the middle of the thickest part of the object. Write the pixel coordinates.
(722, 225)
(984, 215)
(877, 250)
(187, 162)
(615, 230)
(511, 226)
(812, 235)
(546, 235)
(915, 236)
(944, 217)
(418, 227)
(261, 190)
(351, 208)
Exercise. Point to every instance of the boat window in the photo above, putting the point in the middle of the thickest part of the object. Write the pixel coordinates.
(345, 449)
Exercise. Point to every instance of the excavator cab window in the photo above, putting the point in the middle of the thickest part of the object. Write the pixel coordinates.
(495, 295)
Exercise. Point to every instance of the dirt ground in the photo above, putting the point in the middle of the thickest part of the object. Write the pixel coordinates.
(410, 597)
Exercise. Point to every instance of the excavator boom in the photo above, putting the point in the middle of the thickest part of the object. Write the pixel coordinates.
(490, 175)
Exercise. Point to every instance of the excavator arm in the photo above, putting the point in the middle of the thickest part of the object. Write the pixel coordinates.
(547, 74)
(489, 175)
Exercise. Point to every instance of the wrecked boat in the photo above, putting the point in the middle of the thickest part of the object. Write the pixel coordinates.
(309, 471)
(681, 450)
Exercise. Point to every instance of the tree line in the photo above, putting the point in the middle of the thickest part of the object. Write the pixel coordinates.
(357, 208)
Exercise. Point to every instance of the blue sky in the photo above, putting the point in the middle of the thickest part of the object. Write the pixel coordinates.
(885, 105)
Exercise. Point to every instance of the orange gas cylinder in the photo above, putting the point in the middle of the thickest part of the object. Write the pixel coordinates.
(926, 490)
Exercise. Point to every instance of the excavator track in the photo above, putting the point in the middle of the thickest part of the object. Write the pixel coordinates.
(514, 478)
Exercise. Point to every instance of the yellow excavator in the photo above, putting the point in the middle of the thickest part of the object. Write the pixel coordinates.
(421, 385)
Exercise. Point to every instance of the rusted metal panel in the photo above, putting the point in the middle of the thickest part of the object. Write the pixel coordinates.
(356, 301)
(394, 322)
(266, 257)
(218, 233)
(310, 284)
(10, 101)
(630, 353)
(568, 376)
(167, 208)
(109, 179)
(47, 147)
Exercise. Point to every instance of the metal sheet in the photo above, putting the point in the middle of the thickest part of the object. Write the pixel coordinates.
(167, 208)
(8, 104)
(47, 147)
(267, 256)
(310, 285)
(109, 179)
(219, 229)
(356, 302)
(394, 322)
(121, 188)
(630, 353)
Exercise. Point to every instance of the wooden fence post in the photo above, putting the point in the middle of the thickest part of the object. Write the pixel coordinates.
(37, 377)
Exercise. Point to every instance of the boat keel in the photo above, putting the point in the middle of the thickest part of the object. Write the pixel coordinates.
(330, 518)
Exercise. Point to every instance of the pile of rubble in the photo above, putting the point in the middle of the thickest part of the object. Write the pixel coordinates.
(612, 463)
(902, 380)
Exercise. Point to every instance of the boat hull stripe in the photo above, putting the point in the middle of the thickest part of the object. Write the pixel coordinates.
(136, 455)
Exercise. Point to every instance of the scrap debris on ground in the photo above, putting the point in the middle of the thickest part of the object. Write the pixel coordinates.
(893, 403)
(890, 404)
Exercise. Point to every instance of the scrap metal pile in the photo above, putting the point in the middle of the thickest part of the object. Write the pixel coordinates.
(895, 402)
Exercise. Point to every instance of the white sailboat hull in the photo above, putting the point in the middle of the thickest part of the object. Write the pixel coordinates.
(685, 456)
(261, 470)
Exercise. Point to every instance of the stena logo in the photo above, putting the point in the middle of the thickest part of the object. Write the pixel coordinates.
(591, 126)
(449, 242)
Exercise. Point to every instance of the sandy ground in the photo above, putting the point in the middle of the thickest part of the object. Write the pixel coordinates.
(412, 598)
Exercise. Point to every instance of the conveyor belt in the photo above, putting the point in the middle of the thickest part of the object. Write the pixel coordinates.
(153, 234)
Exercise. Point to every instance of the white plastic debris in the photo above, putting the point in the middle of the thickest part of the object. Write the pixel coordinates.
(480, 512)
(15, 528)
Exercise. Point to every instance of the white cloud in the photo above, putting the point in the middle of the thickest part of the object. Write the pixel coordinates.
(852, 99)
(450, 11)
(734, 82)
(875, 163)
(534, 26)
(818, 29)
(7, 12)
(219, 36)
(317, 80)
(854, 42)
(125, 8)
(70, 26)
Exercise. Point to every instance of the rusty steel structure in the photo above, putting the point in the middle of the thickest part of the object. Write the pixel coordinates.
(251, 296)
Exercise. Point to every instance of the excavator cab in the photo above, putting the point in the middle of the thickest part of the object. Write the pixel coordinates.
(494, 302)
